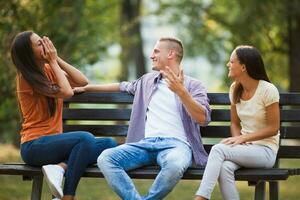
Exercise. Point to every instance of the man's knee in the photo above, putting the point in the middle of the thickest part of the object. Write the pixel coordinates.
(105, 158)
(177, 164)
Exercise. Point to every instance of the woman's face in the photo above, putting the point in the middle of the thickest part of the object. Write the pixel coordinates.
(235, 67)
(37, 47)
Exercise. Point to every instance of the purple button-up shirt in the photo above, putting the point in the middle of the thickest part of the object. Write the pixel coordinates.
(143, 89)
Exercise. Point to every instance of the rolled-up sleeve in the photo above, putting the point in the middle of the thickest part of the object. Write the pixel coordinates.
(199, 94)
(129, 87)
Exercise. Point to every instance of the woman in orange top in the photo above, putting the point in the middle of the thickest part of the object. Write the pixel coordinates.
(43, 81)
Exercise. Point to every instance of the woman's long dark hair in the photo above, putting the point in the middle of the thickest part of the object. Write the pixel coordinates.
(23, 58)
(251, 58)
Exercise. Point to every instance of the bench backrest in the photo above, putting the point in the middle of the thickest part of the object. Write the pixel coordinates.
(108, 114)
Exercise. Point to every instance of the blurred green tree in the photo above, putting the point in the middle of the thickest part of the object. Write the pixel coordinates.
(212, 27)
(132, 56)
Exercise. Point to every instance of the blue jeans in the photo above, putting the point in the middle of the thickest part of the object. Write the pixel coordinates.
(77, 149)
(172, 155)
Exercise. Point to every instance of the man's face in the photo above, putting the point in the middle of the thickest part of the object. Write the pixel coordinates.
(159, 56)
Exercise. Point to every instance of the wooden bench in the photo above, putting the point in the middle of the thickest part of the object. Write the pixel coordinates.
(107, 115)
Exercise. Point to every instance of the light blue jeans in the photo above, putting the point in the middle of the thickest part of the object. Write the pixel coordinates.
(172, 155)
(222, 162)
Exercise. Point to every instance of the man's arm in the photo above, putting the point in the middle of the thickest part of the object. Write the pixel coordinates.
(129, 87)
(176, 84)
(111, 87)
(196, 111)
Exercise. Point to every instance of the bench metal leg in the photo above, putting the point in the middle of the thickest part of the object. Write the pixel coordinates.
(37, 186)
(260, 190)
(274, 190)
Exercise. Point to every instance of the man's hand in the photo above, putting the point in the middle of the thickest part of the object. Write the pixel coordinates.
(78, 90)
(175, 83)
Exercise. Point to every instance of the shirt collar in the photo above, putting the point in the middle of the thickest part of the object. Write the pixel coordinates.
(157, 77)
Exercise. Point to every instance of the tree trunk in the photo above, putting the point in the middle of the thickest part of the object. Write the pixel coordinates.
(132, 56)
(294, 45)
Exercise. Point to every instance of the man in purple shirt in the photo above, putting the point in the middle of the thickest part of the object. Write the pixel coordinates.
(168, 109)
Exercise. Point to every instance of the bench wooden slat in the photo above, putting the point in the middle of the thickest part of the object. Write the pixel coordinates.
(215, 98)
(96, 114)
(217, 115)
(292, 98)
(105, 97)
(123, 114)
(150, 172)
(220, 115)
(20, 169)
(112, 97)
(290, 132)
(289, 152)
(215, 131)
(286, 132)
(100, 130)
(290, 115)
(218, 98)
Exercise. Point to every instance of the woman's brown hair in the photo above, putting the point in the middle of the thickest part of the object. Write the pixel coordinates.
(23, 58)
(251, 58)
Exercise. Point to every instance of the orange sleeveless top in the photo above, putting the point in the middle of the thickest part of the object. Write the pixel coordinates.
(34, 110)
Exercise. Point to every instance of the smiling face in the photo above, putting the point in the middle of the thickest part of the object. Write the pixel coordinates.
(159, 56)
(236, 69)
(37, 47)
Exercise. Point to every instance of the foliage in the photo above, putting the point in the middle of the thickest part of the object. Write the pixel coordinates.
(212, 27)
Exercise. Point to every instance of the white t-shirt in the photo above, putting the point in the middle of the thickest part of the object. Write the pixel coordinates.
(252, 112)
(163, 117)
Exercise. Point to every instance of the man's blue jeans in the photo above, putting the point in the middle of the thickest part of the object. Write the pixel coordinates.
(172, 155)
(77, 149)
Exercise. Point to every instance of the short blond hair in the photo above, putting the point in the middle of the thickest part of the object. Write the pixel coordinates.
(174, 44)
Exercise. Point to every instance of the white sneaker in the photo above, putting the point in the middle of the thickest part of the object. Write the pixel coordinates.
(56, 199)
(54, 176)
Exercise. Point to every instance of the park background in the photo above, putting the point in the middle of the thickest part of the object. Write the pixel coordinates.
(112, 41)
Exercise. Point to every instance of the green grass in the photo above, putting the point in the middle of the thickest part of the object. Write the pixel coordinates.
(14, 188)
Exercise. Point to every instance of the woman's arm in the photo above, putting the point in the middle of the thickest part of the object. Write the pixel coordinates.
(235, 126)
(273, 123)
(50, 54)
(75, 77)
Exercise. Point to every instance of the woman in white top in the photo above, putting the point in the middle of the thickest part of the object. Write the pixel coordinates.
(254, 125)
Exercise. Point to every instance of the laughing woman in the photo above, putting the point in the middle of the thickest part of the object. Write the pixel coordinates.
(43, 80)
(254, 125)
